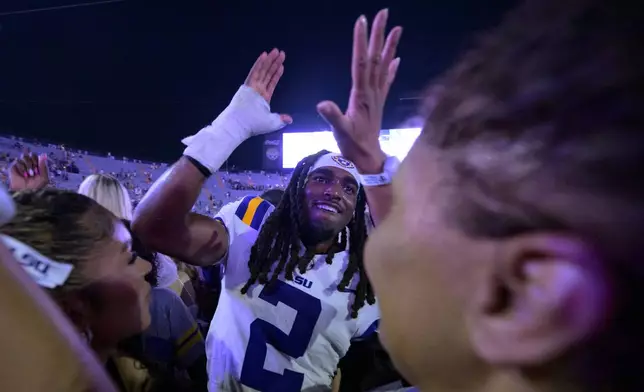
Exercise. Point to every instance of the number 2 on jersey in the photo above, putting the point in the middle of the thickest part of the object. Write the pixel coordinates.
(293, 344)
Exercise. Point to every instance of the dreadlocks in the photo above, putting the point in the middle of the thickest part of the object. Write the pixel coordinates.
(279, 241)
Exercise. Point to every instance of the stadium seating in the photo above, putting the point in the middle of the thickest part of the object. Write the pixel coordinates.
(69, 167)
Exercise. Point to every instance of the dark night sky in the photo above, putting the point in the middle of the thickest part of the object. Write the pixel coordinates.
(135, 77)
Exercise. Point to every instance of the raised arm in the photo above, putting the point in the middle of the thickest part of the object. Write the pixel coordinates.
(163, 219)
(373, 69)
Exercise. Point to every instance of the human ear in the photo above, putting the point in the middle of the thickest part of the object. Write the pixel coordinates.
(543, 294)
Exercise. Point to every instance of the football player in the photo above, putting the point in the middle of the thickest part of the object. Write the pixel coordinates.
(294, 291)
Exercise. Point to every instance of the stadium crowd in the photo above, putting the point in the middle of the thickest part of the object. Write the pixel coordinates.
(501, 255)
(69, 167)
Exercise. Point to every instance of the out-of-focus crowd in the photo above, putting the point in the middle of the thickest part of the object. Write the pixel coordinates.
(69, 167)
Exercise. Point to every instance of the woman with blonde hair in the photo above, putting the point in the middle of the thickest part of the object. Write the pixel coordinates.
(108, 192)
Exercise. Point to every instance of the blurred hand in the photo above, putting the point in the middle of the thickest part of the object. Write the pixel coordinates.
(30, 171)
(373, 70)
(265, 74)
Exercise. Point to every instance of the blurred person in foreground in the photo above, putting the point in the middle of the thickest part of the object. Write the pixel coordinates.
(81, 254)
(295, 294)
(514, 238)
(41, 348)
(169, 352)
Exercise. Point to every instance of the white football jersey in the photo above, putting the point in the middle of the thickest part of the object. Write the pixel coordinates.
(286, 338)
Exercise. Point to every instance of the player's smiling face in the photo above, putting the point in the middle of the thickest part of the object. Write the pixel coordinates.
(330, 196)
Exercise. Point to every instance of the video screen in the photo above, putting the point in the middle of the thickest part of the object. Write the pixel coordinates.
(396, 142)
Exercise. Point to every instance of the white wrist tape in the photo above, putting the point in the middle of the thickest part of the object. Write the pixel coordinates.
(248, 114)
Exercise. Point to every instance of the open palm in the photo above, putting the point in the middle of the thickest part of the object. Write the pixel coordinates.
(265, 74)
(373, 70)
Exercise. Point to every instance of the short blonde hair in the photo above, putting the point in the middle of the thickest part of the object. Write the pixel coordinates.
(108, 192)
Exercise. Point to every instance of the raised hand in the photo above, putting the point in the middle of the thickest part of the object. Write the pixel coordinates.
(30, 171)
(373, 70)
(265, 74)
(248, 114)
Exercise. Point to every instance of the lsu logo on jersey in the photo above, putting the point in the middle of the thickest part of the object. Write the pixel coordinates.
(302, 282)
(252, 211)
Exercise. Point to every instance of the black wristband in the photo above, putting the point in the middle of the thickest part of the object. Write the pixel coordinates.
(204, 170)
